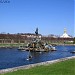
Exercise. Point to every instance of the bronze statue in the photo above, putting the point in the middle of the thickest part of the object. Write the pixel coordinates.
(36, 32)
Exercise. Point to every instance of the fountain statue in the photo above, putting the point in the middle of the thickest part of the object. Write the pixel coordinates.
(37, 45)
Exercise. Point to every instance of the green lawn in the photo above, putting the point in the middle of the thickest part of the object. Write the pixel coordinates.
(62, 68)
(12, 45)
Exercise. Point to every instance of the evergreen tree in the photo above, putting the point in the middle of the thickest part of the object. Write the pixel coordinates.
(74, 40)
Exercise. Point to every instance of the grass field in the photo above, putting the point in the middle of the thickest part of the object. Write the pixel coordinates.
(12, 45)
(62, 68)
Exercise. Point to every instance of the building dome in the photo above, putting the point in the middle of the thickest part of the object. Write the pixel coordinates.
(65, 35)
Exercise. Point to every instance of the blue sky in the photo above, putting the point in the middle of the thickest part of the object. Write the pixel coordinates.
(50, 16)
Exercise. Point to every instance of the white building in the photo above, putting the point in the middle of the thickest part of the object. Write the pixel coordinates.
(65, 35)
(31, 35)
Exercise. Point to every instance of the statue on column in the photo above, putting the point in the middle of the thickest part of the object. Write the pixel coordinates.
(36, 32)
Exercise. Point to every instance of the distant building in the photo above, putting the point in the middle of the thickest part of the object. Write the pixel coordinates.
(52, 36)
(65, 35)
(31, 35)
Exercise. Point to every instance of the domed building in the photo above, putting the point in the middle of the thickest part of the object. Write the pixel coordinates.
(65, 35)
